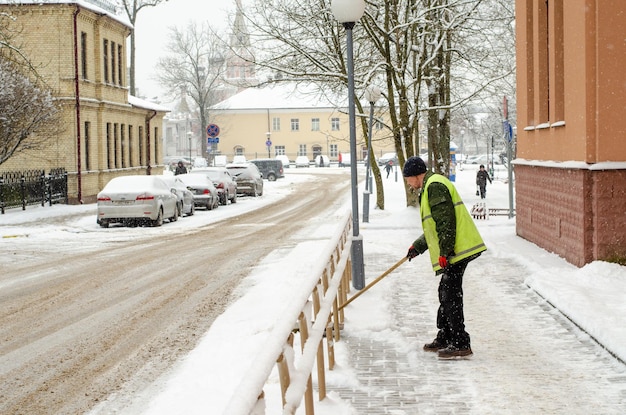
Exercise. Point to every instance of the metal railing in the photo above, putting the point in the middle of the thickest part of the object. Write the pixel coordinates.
(319, 321)
(31, 187)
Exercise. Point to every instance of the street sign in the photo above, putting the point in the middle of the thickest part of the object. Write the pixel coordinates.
(213, 140)
(212, 130)
(268, 143)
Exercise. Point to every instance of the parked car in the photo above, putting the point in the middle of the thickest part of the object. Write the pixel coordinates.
(385, 158)
(203, 190)
(481, 159)
(223, 182)
(220, 161)
(185, 197)
(271, 169)
(302, 161)
(285, 160)
(135, 200)
(248, 177)
(239, 159)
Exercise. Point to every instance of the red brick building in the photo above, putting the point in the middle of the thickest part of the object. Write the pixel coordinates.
(571, 127)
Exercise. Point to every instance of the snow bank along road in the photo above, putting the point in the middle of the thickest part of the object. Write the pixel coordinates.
(81, 322)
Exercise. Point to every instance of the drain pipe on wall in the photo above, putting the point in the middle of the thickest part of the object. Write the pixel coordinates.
(148, 119)
(77, 93)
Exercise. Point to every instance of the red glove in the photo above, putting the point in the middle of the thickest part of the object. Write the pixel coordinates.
(443, 262)
(412, 253)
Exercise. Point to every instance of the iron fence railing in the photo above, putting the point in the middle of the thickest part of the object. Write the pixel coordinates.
(31, 187)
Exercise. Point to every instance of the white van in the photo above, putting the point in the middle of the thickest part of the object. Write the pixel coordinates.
(219, 161)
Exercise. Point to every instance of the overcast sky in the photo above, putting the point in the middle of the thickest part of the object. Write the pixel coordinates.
(152, 32)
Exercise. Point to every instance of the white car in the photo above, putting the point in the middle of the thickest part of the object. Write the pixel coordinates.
(136, 200)
(302, 161)
(284, 159)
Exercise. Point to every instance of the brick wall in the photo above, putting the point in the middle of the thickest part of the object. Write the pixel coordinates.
(578, 214)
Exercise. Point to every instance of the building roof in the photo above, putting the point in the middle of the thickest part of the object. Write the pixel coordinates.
(142, 103)
(103, 7)
(279, 96)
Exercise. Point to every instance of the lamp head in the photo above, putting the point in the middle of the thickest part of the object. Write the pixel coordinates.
(372, 94)
(346, 11)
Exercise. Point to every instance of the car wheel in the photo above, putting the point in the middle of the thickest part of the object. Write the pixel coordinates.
(103, 223)
(180, 208)
(271, 177)
(223, 199)
(234, 198)
(255, 191)
(159, 220)
(209, 205)
(175, 217)
(192, 210)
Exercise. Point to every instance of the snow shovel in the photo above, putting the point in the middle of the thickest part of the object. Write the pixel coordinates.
(371, 284)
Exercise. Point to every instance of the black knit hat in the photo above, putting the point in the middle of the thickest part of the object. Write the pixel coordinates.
(414, 166)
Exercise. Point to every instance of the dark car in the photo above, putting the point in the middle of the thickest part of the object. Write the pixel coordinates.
(203, 190)
(248, 178)
(271, 169)
(224, 182)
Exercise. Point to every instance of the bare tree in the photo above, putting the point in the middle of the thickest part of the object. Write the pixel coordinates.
(412, 49)
(29, 116)
(132, 9)
(195, 65)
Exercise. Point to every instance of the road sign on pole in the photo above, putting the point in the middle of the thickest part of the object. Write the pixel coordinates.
(212, 130)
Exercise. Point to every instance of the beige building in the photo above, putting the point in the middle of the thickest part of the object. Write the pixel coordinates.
(79, 48)
(293, 121)
(571, 147)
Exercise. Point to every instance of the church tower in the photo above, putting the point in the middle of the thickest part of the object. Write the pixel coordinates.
(240, 71)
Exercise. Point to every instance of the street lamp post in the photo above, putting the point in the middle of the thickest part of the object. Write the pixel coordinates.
(372, 94)
(348, 12)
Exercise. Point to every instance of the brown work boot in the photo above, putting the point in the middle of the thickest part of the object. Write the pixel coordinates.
(435, 346)
(453, 352)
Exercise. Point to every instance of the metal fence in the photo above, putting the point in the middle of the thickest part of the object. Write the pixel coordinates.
(32, 187)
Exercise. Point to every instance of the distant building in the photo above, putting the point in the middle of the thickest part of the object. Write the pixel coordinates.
(79, 47)
(285, 119)
(571, 147)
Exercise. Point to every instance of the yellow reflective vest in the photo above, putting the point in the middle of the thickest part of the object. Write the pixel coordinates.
(468, 241)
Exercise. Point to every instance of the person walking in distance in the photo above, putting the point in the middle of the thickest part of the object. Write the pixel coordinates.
(481, 181)
(388, 167)
(180, 169)
(452, 239)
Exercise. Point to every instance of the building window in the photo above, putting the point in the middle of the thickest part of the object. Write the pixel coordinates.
(130, 146)
(113, 67)
(315, 124)
(275, 124)
(105, 60)
(295, 124)
(83, 54)
(123, 144)
(157, 149)
(116, 146)
(279, 150)
(239, 151)
(378, 125)
(86, 149)
(142, 147)
(334, 124)
(119, 64)
(302, 150)
(333, 151)
(109, 147)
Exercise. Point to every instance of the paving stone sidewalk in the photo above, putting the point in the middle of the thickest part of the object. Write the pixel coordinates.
(527, 358)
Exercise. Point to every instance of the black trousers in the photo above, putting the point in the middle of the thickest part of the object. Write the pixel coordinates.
(450, 318)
